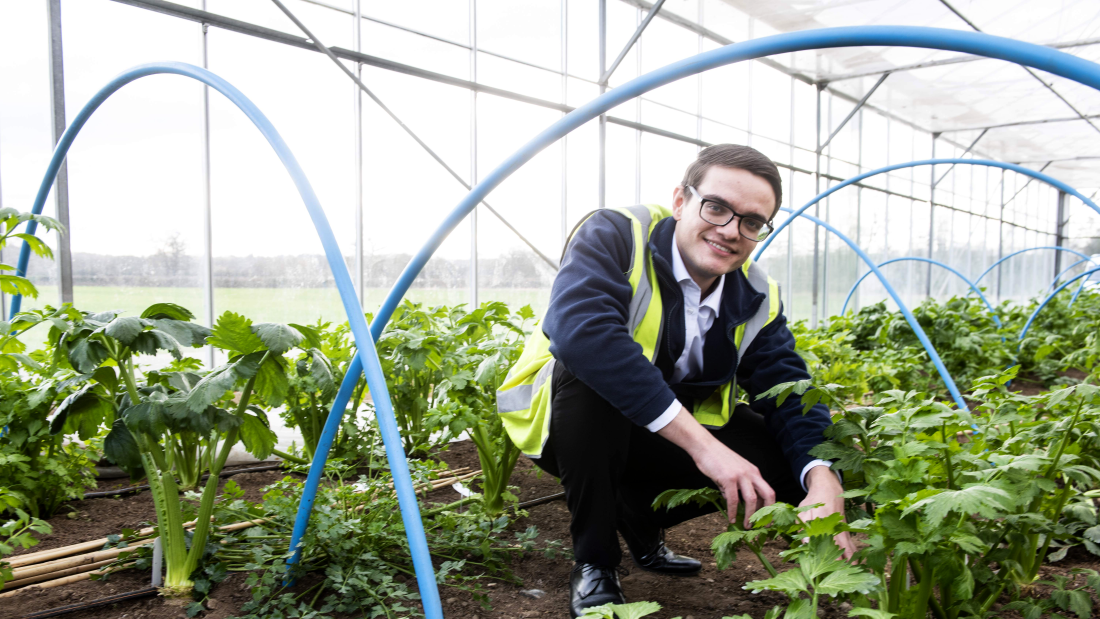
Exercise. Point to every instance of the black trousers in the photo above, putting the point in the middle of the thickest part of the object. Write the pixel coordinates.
(612, 470)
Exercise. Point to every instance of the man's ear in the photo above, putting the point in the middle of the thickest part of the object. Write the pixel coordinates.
(679, 199)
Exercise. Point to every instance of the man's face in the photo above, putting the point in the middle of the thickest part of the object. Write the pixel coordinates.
(709, 251)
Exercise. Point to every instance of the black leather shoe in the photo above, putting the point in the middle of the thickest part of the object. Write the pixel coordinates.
(591, 586)
(664, 561)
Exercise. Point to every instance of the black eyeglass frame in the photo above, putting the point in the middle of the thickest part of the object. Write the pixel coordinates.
(765, 230)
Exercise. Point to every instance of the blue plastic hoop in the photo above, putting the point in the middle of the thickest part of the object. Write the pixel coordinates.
(1050, 297)
(1029, 54)
(1017, 253)
(1050, 180)
(364, 337)
(972, 285)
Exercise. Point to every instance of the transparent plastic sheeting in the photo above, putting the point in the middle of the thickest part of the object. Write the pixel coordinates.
(367, 355)
(1039, 57)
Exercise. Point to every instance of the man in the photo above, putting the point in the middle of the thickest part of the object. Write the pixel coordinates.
(658, 325)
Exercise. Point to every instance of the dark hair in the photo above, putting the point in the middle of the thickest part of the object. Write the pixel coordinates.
(735, 156)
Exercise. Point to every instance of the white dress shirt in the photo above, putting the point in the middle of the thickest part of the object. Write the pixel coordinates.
(699, 316)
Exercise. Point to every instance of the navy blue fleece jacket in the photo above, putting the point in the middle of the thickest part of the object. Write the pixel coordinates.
(586, 326)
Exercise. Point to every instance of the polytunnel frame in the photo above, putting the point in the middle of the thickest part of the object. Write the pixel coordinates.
(973, 286)
(362, 332)
(1027, 54)
(1021, 251)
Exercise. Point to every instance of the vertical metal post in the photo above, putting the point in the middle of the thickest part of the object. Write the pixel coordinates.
(817, 211)
(931, 218)
(1001, 235)
(473, 152)
(791, 200)
(1060, 231)
(61, 187)
(828, 211)
(748, 92)
(565, 139)
(602, 185)
(638, 114)
(698, 84)
(360, 267)
(207, 211)
(859, 202)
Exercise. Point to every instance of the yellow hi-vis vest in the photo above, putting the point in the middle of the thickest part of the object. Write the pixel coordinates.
(523, 401)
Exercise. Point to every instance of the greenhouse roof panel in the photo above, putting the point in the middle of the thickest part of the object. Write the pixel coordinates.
(967, 93)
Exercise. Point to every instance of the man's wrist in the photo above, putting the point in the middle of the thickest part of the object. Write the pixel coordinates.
(819, 472)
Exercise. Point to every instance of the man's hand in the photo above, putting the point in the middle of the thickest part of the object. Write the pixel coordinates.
(822, 486)
(737, 478)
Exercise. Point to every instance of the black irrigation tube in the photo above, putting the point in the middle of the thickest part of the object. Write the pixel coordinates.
(545, 499)
(133, 489)
(112, 599)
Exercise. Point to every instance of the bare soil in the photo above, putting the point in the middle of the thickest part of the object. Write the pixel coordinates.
(711, 594)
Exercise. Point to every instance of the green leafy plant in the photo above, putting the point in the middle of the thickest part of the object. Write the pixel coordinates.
(9, 221)
(155, 421)
(356, 549)
(17, 531)
(486, 343)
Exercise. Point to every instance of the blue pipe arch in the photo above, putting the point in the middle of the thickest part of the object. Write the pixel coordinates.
(1050, 180)
(1050, 297)
(913, 324)
(366, 356)
(973, 286)
(1058, 277)
(1027, 54)
(1022, 251)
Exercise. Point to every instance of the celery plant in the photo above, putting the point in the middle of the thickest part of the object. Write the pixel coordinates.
(153, 420)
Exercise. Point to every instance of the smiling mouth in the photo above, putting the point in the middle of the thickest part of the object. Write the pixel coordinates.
(721, 248)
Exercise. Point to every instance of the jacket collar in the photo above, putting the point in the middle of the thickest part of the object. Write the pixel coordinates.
(740, 301)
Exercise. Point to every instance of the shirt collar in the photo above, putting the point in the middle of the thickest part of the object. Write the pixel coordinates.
(680, 272)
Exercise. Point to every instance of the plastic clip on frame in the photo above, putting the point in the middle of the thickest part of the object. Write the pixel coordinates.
(1027, 54)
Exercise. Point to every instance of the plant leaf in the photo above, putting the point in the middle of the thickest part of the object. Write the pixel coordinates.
(233, 333)
(277, 337)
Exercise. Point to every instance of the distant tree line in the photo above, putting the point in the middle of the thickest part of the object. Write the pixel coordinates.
(519, 269)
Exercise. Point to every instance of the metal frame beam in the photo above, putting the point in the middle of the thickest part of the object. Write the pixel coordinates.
(332, 55)
(1029, 70)
(1021, 123)
(58, 124)
(1060, 230)
(241, 27)
(940, 63)
(965, 153)
(207, 205)
(606, 75)
(855, 109)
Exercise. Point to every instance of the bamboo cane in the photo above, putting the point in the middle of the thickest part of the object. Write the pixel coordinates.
(15, 584)
(60, 564)
(59, 581)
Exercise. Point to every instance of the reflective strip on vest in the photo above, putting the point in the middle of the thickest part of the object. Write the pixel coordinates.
(524, 399)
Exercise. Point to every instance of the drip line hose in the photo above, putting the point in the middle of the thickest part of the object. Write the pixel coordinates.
(367, 355)
(112, 599)
(1050, 297)
(133, 489)
(1028, 54)
(972, 285)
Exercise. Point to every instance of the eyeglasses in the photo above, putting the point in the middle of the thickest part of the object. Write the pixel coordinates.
(717, 214)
